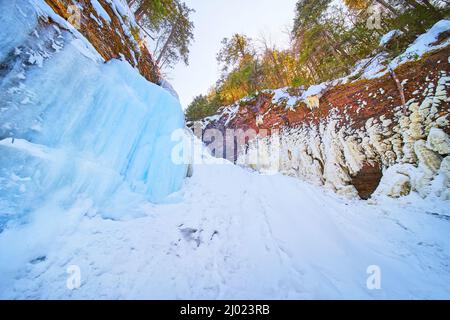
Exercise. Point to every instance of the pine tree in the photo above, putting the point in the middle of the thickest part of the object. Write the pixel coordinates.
(171, 28)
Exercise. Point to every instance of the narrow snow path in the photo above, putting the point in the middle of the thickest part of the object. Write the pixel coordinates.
(232, 233)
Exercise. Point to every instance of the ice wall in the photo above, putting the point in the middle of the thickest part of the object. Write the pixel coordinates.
(71, 123)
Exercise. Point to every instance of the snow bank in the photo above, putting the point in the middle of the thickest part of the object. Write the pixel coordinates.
(265, 237)
(378, 65)
(283, 95)
(385, 39)
(424, 43)
(101, 12)
(310, 96)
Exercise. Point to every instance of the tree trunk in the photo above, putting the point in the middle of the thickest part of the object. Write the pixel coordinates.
(277, 68)
(399, 88)
(432, 8)
(139, 14)
(423, 3)
(388, 6)
(338, 54)
(166, 45)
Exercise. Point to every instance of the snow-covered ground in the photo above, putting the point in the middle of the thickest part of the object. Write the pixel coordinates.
(233, 233)
(84, 146)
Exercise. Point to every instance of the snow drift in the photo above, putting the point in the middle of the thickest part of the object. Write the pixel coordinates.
(255, 237)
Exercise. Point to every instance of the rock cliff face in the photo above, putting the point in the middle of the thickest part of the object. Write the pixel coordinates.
(389, 125)
(109, 26)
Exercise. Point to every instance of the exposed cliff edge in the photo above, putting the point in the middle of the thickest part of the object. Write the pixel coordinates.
(73, 124)
(388, 121)
(110, 27)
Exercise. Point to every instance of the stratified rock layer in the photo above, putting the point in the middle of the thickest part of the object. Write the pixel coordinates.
(354, 131)
(116, 38)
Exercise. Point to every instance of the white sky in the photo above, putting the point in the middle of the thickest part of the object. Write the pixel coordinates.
(216, 19)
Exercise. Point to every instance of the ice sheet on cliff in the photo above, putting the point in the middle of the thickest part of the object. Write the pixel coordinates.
(100, 128)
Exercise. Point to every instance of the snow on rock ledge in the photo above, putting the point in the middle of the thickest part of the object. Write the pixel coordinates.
(350, 133)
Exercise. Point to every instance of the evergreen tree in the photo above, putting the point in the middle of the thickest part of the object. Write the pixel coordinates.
(169, 25)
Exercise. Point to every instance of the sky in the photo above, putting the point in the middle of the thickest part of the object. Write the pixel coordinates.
(216, 19)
